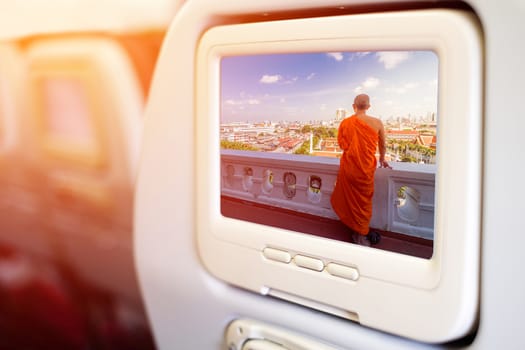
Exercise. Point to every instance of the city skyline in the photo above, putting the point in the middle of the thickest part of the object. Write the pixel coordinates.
(312, 86)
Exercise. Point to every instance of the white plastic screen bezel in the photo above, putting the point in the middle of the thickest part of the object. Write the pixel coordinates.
(431, 300)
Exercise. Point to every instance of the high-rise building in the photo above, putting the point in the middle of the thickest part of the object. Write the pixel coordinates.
(340, 114)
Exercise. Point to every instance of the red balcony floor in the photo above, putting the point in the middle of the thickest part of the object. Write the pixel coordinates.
(323, 227)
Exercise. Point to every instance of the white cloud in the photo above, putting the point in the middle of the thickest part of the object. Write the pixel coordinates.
(392, 59)
(292, 80)
(358, 55)
(397, 90)
(411, 85)
(270, 79)
(363, 53)
(310, 76)
(241, 103)
(338, 56)
(402, 89)
(371, 82)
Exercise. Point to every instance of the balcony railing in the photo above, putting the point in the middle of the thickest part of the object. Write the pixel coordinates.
(403, 199)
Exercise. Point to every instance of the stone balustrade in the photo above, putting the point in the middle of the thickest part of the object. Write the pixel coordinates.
(403, 199)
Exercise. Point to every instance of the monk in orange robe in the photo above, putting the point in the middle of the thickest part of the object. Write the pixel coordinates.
(359, 136)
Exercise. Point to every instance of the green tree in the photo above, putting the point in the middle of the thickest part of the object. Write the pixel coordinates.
(306, 129)
(304, 149)
(409, 159)
(237, 145)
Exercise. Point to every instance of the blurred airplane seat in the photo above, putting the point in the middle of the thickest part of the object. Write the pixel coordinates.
(70, 125)
(142, 49)
(20, 203)
(87, 96)
(33, 296)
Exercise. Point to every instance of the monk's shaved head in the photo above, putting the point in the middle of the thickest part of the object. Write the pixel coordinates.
(362, 102)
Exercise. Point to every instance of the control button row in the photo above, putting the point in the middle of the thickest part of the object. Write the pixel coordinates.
(307, 262)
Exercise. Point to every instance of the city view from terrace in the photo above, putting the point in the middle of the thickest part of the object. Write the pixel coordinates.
(294, 103)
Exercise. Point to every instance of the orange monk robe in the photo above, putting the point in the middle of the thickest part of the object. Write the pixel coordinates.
(352, 196)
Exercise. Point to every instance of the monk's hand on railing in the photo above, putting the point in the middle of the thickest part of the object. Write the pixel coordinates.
(384, 164)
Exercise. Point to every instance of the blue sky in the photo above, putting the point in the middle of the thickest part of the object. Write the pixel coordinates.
(311, 86)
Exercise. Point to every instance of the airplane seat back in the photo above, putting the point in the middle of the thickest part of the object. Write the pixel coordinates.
(182, 296)
(20, 203)
(85, 124)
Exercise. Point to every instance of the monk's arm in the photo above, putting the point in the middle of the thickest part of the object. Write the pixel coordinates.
(382, 147)
(341, 139)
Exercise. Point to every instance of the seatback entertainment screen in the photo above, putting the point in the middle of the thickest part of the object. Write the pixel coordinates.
(338, 161)
(284, 126)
